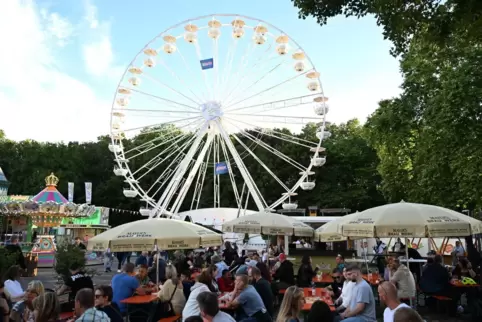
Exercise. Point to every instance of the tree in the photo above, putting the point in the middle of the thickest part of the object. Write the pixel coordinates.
(403, 20)
(429, 139)
(2, 134)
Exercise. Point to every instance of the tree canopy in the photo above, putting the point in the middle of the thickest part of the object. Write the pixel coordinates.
(348, 179)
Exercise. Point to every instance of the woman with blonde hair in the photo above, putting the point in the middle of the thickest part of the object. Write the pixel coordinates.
(291, 306)
(46, 308)
(171, 293)
(23, 310)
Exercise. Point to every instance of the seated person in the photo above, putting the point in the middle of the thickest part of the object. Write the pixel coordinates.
(103, 302)
(125, 285)
(225, 282)
(285, 273)
(77, 281)
(209, 308)
(187, 283)
(306, 272)
(463, 269)
(263, 287)
(143, 278)
(403, 279)
(362, 302)
(336, 287)
(343, 301)
(435, 277)
(247, 301)
(388, 270)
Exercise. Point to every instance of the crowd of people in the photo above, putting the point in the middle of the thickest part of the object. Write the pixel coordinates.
(231, 286)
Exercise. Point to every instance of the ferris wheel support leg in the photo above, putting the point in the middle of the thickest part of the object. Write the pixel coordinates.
(258, 199)
(192, 173)
(171, 188)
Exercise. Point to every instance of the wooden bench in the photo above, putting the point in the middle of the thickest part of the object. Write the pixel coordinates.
(282, 291)
(66, 315)
(171, 319)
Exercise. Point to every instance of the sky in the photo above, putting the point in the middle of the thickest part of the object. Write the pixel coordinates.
(61, 61)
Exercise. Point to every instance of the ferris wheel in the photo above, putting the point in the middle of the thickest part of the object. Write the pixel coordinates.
(204, 97)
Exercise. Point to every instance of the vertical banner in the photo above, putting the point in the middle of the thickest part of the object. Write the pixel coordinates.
(71, 192)
(221, 168)
(88, 192)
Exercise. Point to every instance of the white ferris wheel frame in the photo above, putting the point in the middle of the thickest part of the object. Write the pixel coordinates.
(160, 207)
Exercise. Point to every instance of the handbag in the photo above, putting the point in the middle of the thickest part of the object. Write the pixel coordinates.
(168, 309)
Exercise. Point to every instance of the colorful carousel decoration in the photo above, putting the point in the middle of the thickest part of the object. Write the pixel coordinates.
(34, 219)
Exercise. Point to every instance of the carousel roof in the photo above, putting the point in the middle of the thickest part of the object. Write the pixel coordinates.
(50, 193)
(3, 179)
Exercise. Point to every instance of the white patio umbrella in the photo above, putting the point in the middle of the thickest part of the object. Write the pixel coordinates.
(331, 231)
(144, 235)
(269, 224)
(407, 220)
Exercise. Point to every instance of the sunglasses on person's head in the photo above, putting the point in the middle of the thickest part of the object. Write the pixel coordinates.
(98, 296)
(336, 277)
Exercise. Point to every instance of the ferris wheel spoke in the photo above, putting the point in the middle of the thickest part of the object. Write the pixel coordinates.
(161, 205)
(171, 89)
(276, 105)
(198, 188)
(250, 183)
(271, 149)
(300, 120)
(280, 135)
(268, 89)
(160, 124)
(161, 98)
(231, 174)
(216, 69)
(180, 80)
(261, 163)
(191, 72)
(240, 66)
(168, 172)
(168, 149)
(216, 185)
(244, 72)
(187, 184)
(210, 92)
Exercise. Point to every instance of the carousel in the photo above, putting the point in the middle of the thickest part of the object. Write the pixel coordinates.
(35, 219)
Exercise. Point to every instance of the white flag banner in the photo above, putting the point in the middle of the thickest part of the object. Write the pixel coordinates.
(71, 191)
(88, 192)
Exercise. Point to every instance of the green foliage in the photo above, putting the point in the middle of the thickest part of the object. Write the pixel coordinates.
(66, 255)
(437, 21)
(8, 259)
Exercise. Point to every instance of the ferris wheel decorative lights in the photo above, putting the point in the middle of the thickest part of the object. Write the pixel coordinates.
(216, 117)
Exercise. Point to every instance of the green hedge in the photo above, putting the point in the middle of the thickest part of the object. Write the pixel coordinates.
(66, 255)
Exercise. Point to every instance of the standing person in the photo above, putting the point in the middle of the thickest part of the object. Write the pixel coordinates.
(403, 279)
(362, 303)
(263, 287)
(85, 307)
(142, 259)
(306, 272)
(209, 308)
(229, 254)
(103, 302)
(79, 243)
(120, 259)
(125, 285)
(248, 301)
(379, 250)
(108, 259)
(13, 247)
(291, 306)
(78, 280)
(388, 295)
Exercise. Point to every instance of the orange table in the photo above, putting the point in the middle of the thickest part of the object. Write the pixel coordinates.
(140, 299)
(223, 303)
(66, 315)
(374, 279)
(320, 295)
(324, 279)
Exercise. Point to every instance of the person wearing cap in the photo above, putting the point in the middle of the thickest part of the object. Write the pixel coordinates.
(285, 273)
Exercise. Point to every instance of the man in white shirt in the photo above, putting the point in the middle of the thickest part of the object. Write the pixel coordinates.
(344, 300)
(388, 295)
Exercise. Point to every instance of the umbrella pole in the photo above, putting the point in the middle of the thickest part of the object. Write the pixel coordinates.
(408, 266)
(365, 254)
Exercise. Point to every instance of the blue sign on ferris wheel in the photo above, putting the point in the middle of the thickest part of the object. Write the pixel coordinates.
(207, 63)
(221, 168)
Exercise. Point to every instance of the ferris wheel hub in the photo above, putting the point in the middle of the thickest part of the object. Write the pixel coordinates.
(211, 110)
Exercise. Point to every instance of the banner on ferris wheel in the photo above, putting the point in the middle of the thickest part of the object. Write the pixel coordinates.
(207, 63)
(221, 168)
